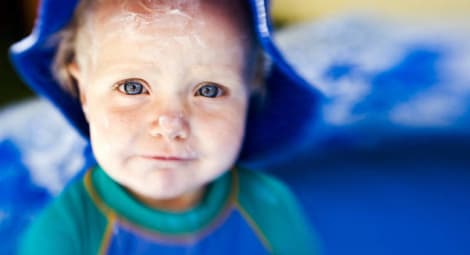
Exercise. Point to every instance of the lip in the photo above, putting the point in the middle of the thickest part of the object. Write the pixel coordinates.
(168, 158)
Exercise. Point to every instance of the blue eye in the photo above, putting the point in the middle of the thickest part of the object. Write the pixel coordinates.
(210, 90)
(132, 88)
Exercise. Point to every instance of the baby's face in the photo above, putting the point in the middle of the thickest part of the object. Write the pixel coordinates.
(165, 94)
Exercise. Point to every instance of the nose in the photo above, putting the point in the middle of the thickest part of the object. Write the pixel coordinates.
(170, 126)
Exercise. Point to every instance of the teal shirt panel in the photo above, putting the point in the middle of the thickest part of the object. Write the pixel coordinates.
(75, 224)
(274, 209)
(71, 224)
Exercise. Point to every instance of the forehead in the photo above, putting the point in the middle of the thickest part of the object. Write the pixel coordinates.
(215, 20)
(161, 27)
(166, 33)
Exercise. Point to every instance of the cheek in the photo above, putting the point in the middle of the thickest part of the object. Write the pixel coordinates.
(112, 125)
(222, 130)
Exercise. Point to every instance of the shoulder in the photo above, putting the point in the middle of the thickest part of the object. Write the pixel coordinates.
(273, 208)
(61, 228)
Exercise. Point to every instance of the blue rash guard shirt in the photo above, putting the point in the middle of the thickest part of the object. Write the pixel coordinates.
(242, 212)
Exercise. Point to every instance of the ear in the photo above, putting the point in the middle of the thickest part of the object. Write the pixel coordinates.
(75, 74)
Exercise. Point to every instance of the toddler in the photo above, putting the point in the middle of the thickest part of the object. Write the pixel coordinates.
(164, 86)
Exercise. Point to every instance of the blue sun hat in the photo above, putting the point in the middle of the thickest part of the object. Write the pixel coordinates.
(285, 120)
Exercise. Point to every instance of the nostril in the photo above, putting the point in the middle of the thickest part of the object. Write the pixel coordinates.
(178, 135)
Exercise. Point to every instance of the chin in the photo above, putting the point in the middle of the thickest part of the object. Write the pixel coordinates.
(162, 186)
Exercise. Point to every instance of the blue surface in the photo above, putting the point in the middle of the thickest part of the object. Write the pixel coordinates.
(406, 197)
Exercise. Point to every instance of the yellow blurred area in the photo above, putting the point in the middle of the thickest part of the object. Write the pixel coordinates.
(288, 11)
(301, 10)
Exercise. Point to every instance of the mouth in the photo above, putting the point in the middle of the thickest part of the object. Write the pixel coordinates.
(175, 159)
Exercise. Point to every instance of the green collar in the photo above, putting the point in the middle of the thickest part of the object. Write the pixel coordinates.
(116, 203)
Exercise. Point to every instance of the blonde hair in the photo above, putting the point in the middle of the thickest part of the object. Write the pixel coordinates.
(66, 49)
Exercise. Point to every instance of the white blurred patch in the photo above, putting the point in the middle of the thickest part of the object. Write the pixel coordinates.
(50, 148)
(428, 110)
